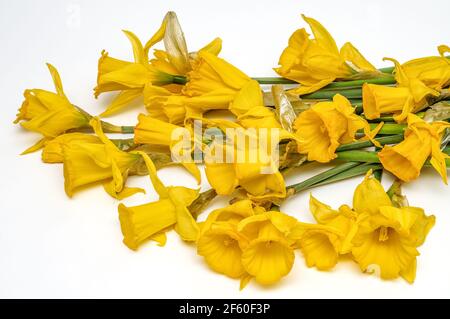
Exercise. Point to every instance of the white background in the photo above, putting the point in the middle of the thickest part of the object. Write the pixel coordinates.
(53, 246)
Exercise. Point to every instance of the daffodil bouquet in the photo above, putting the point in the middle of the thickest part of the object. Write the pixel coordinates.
(328, 105)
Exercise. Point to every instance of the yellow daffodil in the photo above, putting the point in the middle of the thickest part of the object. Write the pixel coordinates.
(390, 239)
(316, 62)
(323, 243)
(318, 243)
(131, 78)
(53, 150)
(211, 74)
(422, 140)
(150, 221)
(212, 84)
(88, 162)
(369, 196)
(157, 132)
(433, 71)
(128, 77)
(387, 236)
(343, 220)
(325, 126)
(248, 106)
(410, 95)
(380, 99)
(220, 243)
(176, 108)
(269, 255)
(48, 113)
(247, 165)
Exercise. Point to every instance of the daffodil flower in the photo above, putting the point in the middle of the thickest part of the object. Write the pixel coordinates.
(150, 221)
(390, 239)
(249, 166)
(316, 62)
(220, 243)
(269, 255)
(248, 106)
(87, 162)
(50, 114)
(409, 96)
(131, 78)
(387, 236)
(433, 71)
(326, 125)
(422, 140)
(212, 84)
(156, 132)
(53, 150)
(323, 243)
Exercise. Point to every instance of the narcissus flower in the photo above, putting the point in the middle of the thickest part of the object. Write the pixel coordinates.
(269, 255)
(220, 243)
(53, 150)
(48, 113)
(422, 140)
(433, 71)
(152, 220)
(244, 162)
(87, 163)
(157, 132)
(387, 236)
(128, 77)
(318, 243)
(211, 74)
(410, 95)
(316, 62)
(132, 77)
(323, 243)
(248, 106)
(212, 84)
(325, 126)
(390, 239)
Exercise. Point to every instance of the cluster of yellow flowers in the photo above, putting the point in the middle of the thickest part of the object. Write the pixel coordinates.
(342, 107)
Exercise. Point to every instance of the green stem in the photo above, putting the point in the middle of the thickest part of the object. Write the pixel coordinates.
(321, 177)
(111, 128)
(391, 139)
(390, 128)
(328, 95)
(355, 171)
(378, 174)
(370, 157)
(274, 80)
(358, 156)
(385, 80)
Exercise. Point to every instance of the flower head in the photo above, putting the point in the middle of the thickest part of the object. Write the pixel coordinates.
(433, 71)
(316, 62)
(53, 150)
(246, 160)
(156, 132)
(220, 243)
(422, 140)
(410, 95)
(50, 114)
(269, 255)
(87, 162)
(325, 126)
(151, 220)
(390, 239)
(131, 78)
